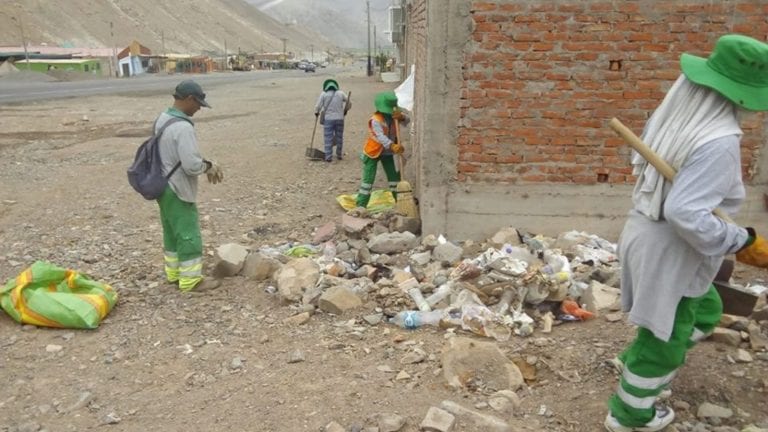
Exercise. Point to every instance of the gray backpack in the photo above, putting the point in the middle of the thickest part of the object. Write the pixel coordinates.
(146, 173)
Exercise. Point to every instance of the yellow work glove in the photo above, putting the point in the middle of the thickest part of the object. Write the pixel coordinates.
(215, 173)
(755, 253)
(396, 148)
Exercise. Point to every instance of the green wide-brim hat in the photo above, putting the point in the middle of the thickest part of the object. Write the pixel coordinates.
(385, 102)
(737, 69)
(327, 84)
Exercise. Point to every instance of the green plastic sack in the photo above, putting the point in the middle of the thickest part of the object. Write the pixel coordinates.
(46, 295)
(380, 201)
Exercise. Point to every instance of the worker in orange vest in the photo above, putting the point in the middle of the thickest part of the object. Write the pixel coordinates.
(381, 146)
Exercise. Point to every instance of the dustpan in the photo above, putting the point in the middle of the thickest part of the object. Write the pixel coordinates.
(311, 152)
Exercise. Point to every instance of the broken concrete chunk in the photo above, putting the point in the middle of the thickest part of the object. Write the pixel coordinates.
(504, 236)
(324, 233)
(468, 361)
(391, 243)
(437, 420)
(403, 224)
(338, 299)
(599, 296)
(296, 277)
(260, 267)
(726, 336)
(229, 260)
(487, 422)
(447, 253)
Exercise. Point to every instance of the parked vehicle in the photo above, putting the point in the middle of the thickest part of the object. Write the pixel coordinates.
(309, 67)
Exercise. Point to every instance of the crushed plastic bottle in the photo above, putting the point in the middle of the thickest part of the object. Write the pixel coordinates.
(439, 294)
(419, 299)
(415, 319)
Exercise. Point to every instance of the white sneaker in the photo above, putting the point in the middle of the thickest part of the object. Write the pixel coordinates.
(617, 364)
(663, 418)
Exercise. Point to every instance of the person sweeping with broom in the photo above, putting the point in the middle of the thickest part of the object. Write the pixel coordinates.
(381, 146)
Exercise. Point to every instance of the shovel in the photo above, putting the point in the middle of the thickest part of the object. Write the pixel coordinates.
(735, 301)
(311, 152)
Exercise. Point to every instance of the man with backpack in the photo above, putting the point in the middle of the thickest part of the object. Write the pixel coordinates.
(182, 164)
(331, 107)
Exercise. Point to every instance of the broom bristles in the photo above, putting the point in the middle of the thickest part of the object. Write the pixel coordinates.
(405, 204)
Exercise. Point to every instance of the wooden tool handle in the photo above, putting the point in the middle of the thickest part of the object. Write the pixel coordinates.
(400, 155)
(660, 164)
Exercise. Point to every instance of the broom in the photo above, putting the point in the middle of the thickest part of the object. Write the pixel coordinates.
(406, 205)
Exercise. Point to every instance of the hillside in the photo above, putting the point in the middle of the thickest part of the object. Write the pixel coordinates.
(341, 21)
(193, 26)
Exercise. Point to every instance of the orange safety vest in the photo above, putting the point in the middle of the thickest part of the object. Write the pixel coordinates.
(373, 148)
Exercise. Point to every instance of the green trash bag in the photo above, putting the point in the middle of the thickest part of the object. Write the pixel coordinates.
(46, 295)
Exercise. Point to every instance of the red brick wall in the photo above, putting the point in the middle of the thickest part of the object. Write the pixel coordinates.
(538, 89)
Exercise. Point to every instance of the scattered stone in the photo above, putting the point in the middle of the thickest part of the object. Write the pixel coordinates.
(68, 336)
(83, 401)
(334, 427)
(391, 243)
(390, 422)
(296, 356)
(229, 260)
(447, 253)
(614, 316)
(437, 420)
(734, 322)
(297, 320)
(753, 428)
(599, 296)
(760, 314)
(487, 422)
(27, 427)
(402, 376)
(742, 356)
(501, 405)
(726, 336)
(353, 225)
(417, 356)
(111, 418)
(324, 233)
(757, 339)
(260, 267)
(681, 405)
(295, 277)
(467, 361)
(236, 363)
(710, 410)
(373, 319)
(53, 348)
(338, 299)
(421, 258)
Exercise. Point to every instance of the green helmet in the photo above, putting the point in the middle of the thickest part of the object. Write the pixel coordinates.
(385, 102)
(330, 84)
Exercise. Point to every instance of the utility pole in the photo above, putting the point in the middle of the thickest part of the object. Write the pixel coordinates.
(375, 52)
(23, 39)
(368, 13)
(114, 52)
(312, 53)
(226, 60)
(285, 56)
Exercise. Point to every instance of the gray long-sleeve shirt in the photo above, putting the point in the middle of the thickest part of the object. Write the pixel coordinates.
(679, 255)
(334, 101)
(179, 144)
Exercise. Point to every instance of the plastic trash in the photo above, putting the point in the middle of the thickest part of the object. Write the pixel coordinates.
(419, 299)
(477, 318)
(439, 294)
(415, 319)
(502, 307)
(466, 270)
(570, 307)
(300, 251)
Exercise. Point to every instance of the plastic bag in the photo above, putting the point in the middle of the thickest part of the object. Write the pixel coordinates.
(381, 200)
(46, 295)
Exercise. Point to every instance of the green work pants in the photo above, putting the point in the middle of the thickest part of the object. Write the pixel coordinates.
(183, 245)
(650, 364)
(369, 176)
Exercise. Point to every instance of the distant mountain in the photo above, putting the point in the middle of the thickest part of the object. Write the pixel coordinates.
(186, 26)
(341, 21)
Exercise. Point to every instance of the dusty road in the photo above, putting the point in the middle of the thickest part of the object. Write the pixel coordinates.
(219, 361)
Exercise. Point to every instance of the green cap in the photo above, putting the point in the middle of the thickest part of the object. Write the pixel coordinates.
(737, 69)
(385, 102)
(188, 88)
(330, 84)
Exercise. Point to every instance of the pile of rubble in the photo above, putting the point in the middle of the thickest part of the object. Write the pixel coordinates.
(512, 283)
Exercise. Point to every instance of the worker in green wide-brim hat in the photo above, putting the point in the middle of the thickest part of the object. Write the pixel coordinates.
(672, 244)
(331, 108)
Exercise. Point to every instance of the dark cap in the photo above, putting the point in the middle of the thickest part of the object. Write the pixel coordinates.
(190, 88)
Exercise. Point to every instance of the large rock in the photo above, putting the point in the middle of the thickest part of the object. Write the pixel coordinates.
(390, 422)
(403, 224)
(391, 243)
(324, 233)
(354, 226)
(229, 260)
(505, 236)
(710, 410)
(296, 277)
(599, 296)
(260, 267)
(466, 360)
(447, 253)
(485, 421)
(757, 339)
(437, 420)
(338, 299)
(726, 336)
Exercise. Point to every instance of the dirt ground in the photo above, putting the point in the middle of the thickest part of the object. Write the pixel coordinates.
(216, 361)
